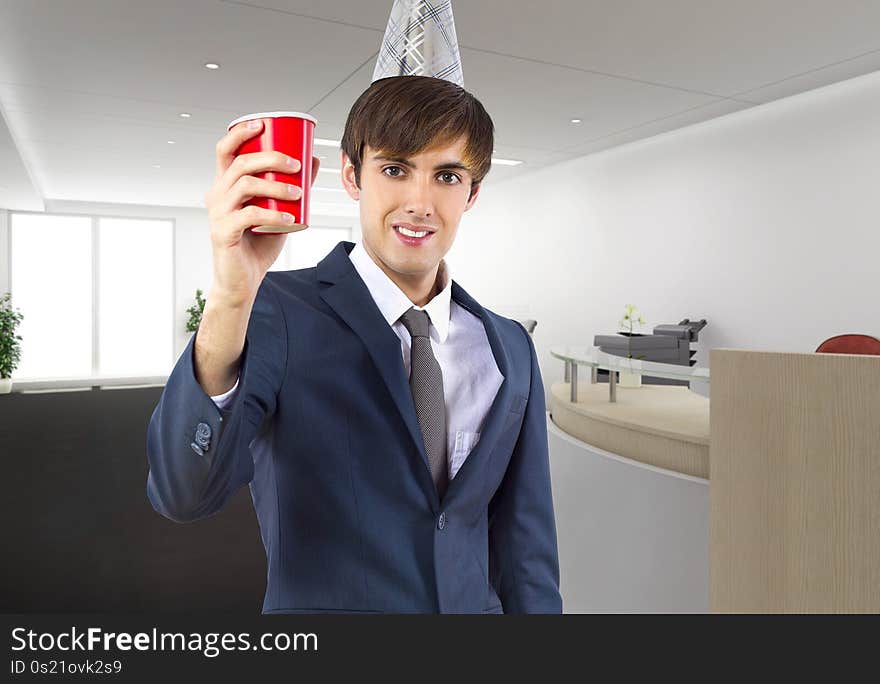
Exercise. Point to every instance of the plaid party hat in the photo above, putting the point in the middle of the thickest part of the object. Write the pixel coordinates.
(420, 41)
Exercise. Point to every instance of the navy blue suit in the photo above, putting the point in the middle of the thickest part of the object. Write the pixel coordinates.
(324, 430)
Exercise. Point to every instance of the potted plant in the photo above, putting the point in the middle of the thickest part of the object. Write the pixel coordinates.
(631, 316)
(10, 352)
(195, 313)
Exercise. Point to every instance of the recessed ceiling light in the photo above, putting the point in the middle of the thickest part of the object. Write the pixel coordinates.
(156, 166)
(326, 142)
(323, 170)
(212, 65)
(170, 142)
(575, 120)
(185, 115)
(506, 162)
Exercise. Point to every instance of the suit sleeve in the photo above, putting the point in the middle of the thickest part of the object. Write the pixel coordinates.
(523, 556)
(198, 452)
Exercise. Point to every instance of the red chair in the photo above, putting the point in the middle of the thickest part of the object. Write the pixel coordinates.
(850, 344)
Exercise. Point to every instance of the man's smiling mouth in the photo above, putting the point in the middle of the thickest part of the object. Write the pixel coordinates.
(413, 230)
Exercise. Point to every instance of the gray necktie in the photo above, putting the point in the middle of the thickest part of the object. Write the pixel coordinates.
(426, 383)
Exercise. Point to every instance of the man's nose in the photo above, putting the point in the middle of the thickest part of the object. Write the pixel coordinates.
(420, 197)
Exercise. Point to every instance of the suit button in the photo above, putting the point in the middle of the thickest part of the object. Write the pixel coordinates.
(202, 439)
(441, 523)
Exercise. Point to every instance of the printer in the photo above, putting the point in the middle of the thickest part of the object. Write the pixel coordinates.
(667, 344)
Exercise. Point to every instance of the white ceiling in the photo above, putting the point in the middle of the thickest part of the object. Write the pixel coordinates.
(91, 90)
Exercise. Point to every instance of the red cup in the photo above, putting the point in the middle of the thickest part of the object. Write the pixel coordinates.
(293, 134)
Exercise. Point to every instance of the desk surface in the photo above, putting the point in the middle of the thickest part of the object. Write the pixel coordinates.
(663, 410)
(659, 425)
(593, 356)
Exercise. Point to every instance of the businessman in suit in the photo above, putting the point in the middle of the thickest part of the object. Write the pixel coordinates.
(391, 429)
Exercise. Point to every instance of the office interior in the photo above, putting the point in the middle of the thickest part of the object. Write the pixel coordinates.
(714, 166)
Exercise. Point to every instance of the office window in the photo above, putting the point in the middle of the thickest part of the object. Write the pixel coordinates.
(135, 302)
(96, 294)
(51, 280)
(306, 248)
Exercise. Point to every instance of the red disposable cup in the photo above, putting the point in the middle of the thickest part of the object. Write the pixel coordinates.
(293, 134)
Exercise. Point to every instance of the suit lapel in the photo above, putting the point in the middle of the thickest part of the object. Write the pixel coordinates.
(348, 296)
(496, 417)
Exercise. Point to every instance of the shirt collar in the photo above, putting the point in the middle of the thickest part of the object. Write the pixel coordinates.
(391, 300)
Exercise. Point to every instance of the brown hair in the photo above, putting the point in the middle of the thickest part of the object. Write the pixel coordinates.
(405, 115)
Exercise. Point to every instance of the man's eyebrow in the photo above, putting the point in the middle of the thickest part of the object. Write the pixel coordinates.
(407, 162)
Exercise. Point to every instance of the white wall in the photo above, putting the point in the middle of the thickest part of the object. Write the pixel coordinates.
(764, 222)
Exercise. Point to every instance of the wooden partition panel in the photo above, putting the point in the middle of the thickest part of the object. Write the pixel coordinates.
(794, 482)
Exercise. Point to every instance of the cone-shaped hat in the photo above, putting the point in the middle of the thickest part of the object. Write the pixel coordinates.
(420, 41)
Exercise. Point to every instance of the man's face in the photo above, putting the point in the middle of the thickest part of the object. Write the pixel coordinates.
(429, 191)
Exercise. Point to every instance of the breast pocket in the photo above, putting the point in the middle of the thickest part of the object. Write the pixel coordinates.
(464, 443)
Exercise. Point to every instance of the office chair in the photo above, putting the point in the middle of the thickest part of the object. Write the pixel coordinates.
(529, 325)
(850, 344)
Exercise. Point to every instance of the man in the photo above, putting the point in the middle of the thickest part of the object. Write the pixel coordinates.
(322, 416)
(391, 429)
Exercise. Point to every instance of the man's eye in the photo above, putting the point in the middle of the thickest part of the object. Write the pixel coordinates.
(449, 178)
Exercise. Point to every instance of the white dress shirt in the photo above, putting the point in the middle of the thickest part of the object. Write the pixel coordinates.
(470, 375)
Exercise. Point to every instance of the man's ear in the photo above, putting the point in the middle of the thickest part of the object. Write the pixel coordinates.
(475, 190)
(348, 178)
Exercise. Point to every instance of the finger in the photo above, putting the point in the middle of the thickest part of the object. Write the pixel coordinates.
(229, 143)
(257, 162)
(232, 226)
(248, 187)
(316, 164)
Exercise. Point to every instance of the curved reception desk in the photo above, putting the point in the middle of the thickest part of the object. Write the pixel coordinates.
(632, 537)
(788, 522)
(630, 467)
(658, 425)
